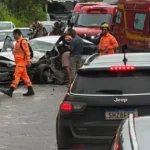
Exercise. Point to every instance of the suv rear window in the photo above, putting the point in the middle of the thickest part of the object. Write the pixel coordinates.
(128, 82)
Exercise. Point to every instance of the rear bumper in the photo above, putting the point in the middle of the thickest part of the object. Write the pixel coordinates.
(68, 136)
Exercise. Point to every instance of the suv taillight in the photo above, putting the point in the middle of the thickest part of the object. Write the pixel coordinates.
(66, 106)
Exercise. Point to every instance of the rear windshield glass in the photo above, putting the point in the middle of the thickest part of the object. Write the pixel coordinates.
(25, 32)
(3, 35)
(128, 82)
(5, 26)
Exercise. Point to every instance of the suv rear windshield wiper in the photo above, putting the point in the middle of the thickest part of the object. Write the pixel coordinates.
(110, 91)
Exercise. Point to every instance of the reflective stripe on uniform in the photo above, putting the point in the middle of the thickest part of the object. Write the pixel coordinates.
(28, 83)
(27, 55)
(20, 66)
(18, 52)
(14, 83)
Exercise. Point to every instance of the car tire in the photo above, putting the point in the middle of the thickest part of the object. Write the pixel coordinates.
(62, 140)
(39, 75)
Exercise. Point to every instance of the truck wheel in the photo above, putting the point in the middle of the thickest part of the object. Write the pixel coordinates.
(43, 74)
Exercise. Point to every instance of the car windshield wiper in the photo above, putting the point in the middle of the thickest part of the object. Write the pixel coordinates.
(82, 26)
(110, 91)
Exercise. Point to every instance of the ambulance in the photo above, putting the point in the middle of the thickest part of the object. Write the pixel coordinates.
(87, 24)
(132, 26)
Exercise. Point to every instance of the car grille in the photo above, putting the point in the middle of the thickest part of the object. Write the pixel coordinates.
(3, 65)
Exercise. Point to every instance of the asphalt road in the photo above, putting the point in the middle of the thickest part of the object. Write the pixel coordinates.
(28, 123)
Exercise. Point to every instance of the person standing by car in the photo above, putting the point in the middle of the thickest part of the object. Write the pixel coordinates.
(76, 50)
(22, 59)
(107, 44)
(37, 29)
(66, 38)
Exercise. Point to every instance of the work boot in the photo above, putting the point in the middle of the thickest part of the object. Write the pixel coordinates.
(29, 92)
(8, 92)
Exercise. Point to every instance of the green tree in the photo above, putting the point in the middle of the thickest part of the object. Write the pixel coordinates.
(24, 11)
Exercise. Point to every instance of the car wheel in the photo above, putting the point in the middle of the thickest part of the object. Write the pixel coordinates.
(43, 74)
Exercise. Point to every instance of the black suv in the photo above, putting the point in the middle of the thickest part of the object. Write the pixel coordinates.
(105, 91)
(132, 134)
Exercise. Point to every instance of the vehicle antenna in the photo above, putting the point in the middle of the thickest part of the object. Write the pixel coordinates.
(124, 52)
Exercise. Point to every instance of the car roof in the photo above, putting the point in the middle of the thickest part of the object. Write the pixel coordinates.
(6, 22)
(48, 39)
(134, 59)
(24, 28)
(47, 22)
(6, 30)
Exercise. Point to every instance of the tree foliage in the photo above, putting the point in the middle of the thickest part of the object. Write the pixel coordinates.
(24, 11)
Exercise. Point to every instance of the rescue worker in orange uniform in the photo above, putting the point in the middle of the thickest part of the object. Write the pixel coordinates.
(108, 43)
(22, 60)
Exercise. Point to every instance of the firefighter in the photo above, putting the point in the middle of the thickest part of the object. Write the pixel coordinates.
(22, 60)
(107, 44)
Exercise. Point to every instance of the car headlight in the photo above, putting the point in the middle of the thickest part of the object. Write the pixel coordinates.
(85, 35)
(92, 37)
(10, 65)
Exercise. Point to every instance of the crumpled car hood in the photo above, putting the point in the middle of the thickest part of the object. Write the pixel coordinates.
(8, 57)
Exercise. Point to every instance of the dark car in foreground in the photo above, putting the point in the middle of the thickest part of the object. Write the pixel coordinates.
(132, 134)
(104, 92)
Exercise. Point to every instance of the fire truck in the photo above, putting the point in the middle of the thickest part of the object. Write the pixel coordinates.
(87, 24)
(132, 25)
(78, 7)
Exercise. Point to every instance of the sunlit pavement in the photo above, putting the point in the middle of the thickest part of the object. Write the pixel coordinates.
(28, 123)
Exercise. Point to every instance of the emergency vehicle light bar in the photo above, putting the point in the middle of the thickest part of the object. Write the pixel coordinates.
(97, 10)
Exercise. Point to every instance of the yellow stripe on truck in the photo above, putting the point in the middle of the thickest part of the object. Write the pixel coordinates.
(128, 34)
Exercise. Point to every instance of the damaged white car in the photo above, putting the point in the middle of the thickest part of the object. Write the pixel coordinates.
(46, 62)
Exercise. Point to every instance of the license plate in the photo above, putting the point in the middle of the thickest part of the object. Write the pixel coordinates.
(119, 114)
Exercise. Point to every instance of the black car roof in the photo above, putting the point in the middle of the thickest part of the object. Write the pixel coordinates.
(134, 59)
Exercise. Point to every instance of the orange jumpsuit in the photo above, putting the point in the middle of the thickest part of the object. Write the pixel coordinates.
(108, 41)
(21, 56)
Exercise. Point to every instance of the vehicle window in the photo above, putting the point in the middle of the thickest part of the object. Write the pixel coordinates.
(129, 82)
(92, 20)
(48, 28)
(4, 34)
(41, 46)
(118, 17)
(139, 21)
(60, 7)
(25, 32)
(5, 26)
(110, 1)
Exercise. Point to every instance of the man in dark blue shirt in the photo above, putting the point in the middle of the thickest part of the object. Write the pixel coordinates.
(76, 50)
(65, 39)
